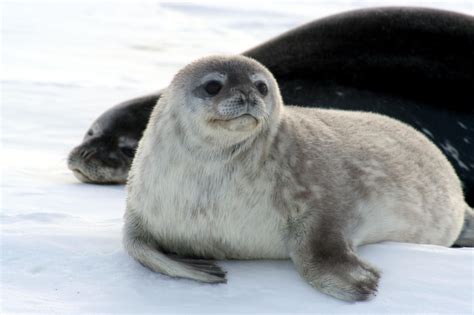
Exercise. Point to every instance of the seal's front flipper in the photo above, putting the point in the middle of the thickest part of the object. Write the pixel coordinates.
(328, 264)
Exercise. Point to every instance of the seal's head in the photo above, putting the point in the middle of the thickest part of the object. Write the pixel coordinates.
(224, 100)
(108, 147)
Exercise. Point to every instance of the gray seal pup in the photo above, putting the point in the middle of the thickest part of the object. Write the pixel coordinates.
(226, 171)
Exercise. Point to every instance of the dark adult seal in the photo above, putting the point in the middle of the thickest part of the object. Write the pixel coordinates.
(412, 64)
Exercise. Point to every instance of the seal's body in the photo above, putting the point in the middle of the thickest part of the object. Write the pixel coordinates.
(225, 171)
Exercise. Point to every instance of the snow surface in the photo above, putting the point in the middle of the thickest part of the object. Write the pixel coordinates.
(63, 64)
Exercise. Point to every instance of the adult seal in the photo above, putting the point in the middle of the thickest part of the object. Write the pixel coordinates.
(225, 171)
(412, 64)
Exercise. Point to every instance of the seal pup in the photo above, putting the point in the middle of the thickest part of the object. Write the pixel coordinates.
(225, 171)
(385, 60)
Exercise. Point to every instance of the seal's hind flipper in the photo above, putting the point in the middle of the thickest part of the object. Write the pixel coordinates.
(466, 238)
(141, 246)
(207, 266)
(149, 256)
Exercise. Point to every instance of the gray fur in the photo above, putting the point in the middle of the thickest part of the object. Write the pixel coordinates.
(217, 179)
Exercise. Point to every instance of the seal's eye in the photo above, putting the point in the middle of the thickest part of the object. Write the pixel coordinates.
(90, 132)
(128, 151)
(262, 87)
(213, 87)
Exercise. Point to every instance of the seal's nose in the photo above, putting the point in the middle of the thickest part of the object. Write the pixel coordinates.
(245, 94)
(244, 91)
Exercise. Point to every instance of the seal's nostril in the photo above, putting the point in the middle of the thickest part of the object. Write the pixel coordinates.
(88, 154)
(243, 92)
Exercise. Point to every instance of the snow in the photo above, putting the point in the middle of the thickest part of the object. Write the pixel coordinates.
(63, 64)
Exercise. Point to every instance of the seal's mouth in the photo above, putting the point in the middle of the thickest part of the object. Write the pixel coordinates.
(86, 179)
(90, 167)
(241, 116)
(242, 123)
(81, 176)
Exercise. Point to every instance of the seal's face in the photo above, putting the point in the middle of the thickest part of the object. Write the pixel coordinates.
(234, 100)
(227, 99)
(101, 158)
(107, 150)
